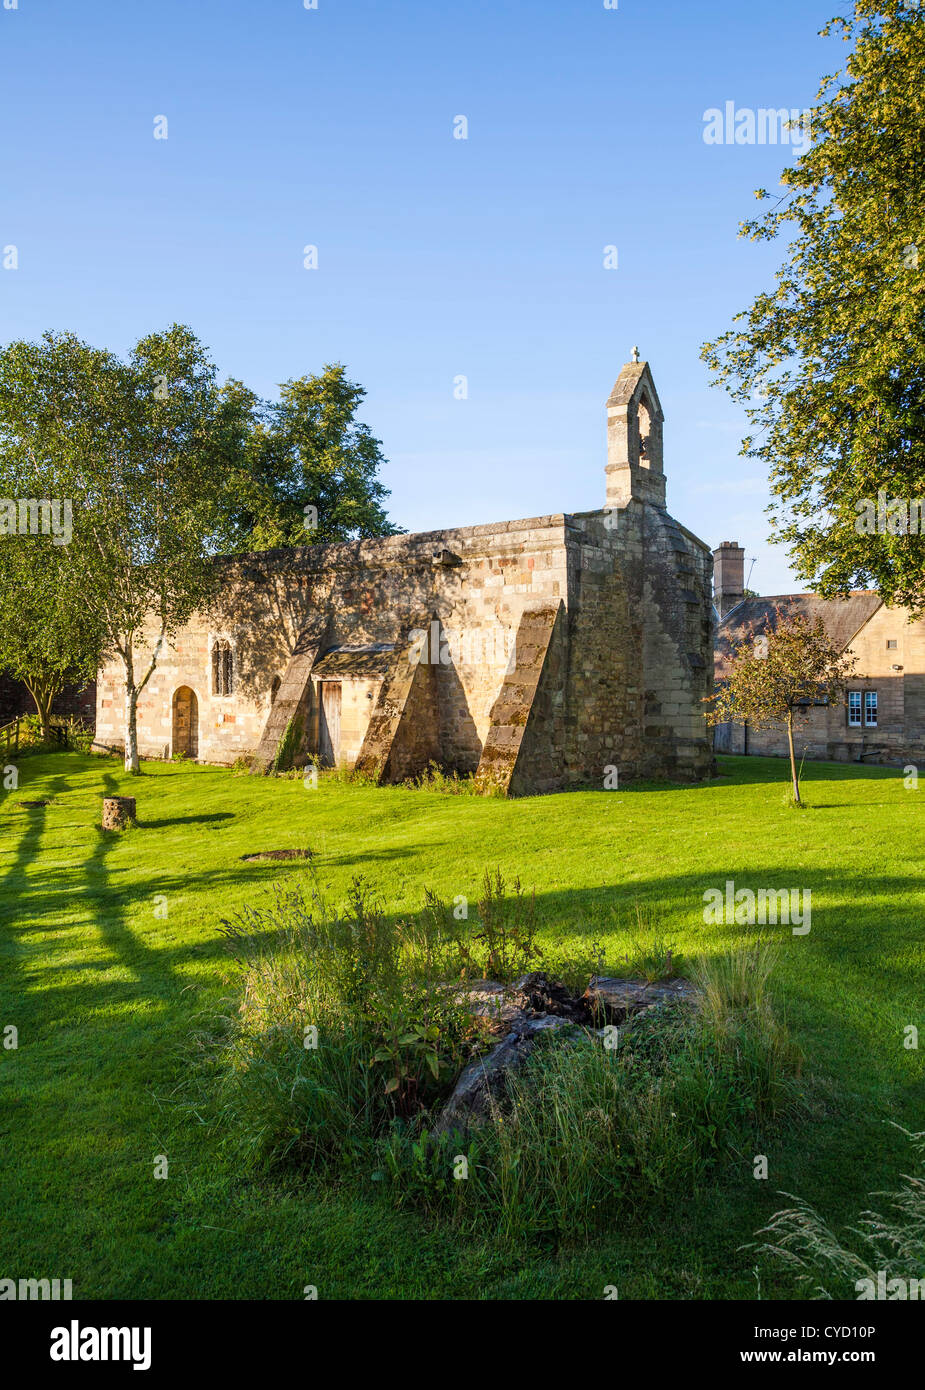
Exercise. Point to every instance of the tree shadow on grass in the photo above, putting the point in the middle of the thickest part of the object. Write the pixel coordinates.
(838, 986)
(841, 986)
(13, 884)
(153, 972)
(850, 939)
(860, 920)
(186, 820)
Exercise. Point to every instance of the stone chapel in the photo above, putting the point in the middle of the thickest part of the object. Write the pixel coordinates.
(537, 654)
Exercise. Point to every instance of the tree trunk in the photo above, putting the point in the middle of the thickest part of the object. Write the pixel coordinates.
(131, 715)
(793, 762)
(118, 812)
(132, 692)
(42, 698)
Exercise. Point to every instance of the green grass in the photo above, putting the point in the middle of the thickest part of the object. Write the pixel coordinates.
(108, 997)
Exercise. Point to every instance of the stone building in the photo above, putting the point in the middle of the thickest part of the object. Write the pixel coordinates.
(882, 717)
(537, 653)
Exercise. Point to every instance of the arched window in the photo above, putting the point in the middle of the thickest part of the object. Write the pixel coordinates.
(644, 419)
(274, 689)
(222, 667)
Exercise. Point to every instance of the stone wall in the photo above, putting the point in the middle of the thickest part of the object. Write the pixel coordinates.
(623, 687)
(370, 590)
(641, 646)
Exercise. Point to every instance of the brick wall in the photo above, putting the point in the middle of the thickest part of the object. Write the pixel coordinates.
(77, 702)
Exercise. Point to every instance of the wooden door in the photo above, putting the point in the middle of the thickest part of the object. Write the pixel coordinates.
(329, 730)
(186, 722)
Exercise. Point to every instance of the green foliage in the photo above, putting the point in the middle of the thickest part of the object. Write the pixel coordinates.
(504, 945)
(77, 735)
(389, 1034)
(436, 779)
(418, 1168)
(309, 450)
(779, 675)
(289, 744)
(137, 447)
(37, 736)
(164, 469)
(830, 364)
(48, 639)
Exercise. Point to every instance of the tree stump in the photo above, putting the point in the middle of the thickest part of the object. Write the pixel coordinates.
(118, 812)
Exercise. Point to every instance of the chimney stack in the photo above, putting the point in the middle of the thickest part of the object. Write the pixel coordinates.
(728, 576)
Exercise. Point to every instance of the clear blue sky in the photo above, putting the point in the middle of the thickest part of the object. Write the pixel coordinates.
(437, 257)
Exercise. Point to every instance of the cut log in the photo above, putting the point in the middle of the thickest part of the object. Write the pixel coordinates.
(118, 812)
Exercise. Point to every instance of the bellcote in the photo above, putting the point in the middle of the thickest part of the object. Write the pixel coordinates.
(635, 463)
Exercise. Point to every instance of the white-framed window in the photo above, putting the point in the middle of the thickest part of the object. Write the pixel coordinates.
(854, 709)
(222, 667)
(870, 708)
(891, 644)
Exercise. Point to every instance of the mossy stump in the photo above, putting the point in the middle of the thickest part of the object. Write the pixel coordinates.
(118, 812)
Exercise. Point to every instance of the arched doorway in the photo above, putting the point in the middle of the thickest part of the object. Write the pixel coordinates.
(186, 722)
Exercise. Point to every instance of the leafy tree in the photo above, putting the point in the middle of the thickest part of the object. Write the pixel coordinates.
(47, 637)
(140, 449)
(831, 363)
(310, 474)
(778, 675)
(165, 469)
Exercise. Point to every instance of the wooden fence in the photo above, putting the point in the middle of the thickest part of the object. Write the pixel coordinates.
(11, 736)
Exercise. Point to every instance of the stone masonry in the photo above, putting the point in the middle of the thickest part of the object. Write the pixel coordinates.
(536, 653)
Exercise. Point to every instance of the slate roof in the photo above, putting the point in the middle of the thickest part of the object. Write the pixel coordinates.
(354, 663)
(843, 619)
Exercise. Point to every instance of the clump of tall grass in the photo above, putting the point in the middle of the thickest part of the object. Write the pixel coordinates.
(650, 951)
(349, 1021)
(351, 1032)
(435, 778)
(738, 1017)
(737, 979)
(587, 1132)
(890, 1245)
(344, 1023)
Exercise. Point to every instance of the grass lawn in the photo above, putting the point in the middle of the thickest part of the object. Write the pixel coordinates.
(107, 997)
